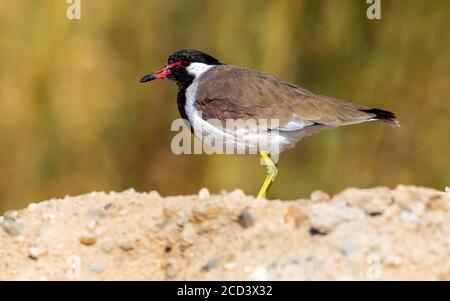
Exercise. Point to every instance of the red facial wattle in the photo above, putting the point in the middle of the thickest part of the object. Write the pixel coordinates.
(164, 72)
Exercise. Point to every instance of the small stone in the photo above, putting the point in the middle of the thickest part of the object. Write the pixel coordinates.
(410, 217)
(11, 215)
(171, 273)
(48, 216)
(405, 196)
(13, 228)
(39, 265)
(126, 245)
(107, 245)
(440, 203)
(391, 212)
(245, 219)
(393, 261)
(36, 252)
(130, 190)
(259, 274)
(92, 224)
(189, 234)
(417, 209)
(236, 194)
(154, 194)
(19, 239)
(347, 247)
(319, 196)
(98, 212)
(97, 268)
(373, 201)
(295, 215)
(304, 256)
(108, 206)
(324, 217)
(203, 194)
(88, 240)
(32, 206)
(208, 266)
(229, 265)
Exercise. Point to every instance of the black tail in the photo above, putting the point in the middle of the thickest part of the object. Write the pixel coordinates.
(384, 116)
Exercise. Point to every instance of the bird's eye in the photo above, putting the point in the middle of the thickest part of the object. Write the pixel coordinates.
(185, 63)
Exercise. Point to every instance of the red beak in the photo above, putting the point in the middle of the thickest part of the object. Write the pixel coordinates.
(160, 74)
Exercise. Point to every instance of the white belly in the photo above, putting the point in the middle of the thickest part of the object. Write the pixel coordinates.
(230, 139)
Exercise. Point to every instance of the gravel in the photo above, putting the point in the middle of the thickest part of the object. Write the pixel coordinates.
(365, 234)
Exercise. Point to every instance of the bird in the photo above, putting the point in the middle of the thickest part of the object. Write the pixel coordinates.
(209, 90)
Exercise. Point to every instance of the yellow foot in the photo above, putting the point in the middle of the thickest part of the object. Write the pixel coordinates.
(272, 171)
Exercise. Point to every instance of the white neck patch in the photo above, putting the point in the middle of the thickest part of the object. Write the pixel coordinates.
(197, 69)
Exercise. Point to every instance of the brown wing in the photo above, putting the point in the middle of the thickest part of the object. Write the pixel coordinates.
(230, 92)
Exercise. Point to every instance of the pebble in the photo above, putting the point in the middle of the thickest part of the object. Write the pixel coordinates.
(36, 252)
(245, 219)
(236, 194)
(203, 194)
(99, 212)
(48, 216)
(126, 245)
(88, 240)
(259, 274)
(32, 207)
(92, 224)
(324, 217)
(301, 257)
(209, 265)
(410, 218)
(393, 261)
(373, 201)
(407, 195)
(229, 265)
(13, 228)
(319, 196)
(416, 208)
(11, 215)
(189, 234)
(154, 194)
(19, 239)
(391, 212)
(130, 190)
(107, 245)
(295, 215)
(108, 206)
(171, 272)
(347, 247)
(97, 268)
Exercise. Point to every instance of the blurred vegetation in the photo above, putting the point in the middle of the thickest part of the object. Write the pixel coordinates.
(73, 117)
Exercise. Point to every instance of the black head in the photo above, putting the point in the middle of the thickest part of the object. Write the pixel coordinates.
(175, 69)
(193, 56)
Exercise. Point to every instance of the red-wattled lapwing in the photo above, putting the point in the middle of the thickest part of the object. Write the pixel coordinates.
(211, 90)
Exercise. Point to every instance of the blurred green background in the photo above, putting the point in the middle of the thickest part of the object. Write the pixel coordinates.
(73, 117)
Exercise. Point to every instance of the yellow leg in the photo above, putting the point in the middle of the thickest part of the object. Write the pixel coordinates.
(272, 171)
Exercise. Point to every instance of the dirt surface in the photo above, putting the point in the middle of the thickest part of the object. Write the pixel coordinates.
(365, 234)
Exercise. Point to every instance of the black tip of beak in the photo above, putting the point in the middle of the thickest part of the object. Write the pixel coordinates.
(147, 78)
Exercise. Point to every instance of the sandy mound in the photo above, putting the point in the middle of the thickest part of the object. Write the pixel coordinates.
(358, 234)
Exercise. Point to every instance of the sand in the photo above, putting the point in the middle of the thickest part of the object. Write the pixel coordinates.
(358, 234)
